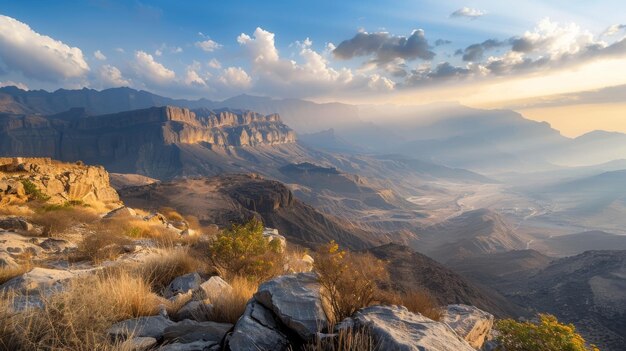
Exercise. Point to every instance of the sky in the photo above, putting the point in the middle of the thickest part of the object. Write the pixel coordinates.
(560, 61)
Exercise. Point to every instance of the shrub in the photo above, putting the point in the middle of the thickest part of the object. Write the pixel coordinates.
(33, 192)
(161, 269)
(349, 281)
(241, 250)
(546, 335)
(227, 308)
(59, 220)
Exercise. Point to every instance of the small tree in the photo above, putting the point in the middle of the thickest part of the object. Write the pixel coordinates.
(547, 335)
(242, 250)
(349, 280)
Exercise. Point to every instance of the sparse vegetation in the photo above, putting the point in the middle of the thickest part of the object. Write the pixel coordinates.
(349, 280)
(59, 220)
(416, 301)
(241, 250)
(33, 192)
(8, 273)
(160, 270)
(548, 334)
(77, 318)
(228, 308)
(346, 340)
(103, 244)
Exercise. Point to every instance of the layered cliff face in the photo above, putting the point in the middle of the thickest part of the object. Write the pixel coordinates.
(147, 141)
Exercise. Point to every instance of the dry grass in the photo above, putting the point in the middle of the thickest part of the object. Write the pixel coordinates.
(77, 319)
(15, 210)
(8, 273)
(161, 269)
(171, 214)
(346, 340)
(105, 243)
(417, 301)
(58, 220)
(228, 308)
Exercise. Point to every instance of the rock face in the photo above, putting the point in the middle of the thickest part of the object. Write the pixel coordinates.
(257, 330)
(469, 322)
(60, 182)
(295, 300)
(146, 141)
(395, 328)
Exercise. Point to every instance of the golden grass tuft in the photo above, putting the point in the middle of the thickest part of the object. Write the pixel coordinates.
(77, 318)
(56, 221)
(8, 273)
(227, 308)
(346, 340)
(15, 210)
(162, 268)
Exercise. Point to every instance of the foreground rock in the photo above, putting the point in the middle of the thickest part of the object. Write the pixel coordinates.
(183, 284)
(152, 327)
(257, 330)
(395, 328)
(469, 322)
(295, 300)
(41, 280)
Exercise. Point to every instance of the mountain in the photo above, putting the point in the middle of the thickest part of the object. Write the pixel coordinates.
(410, 270)
(586, 290)
(592, 148)
(151, 141)
(328, 140)
(472, 233)
(226, 199)
(573, 244)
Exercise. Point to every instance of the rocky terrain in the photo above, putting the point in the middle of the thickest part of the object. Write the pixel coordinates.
(58, 182)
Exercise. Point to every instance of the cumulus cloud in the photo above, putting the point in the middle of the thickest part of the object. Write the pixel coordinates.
(214, 63)
(235, 77)
(468, 13)
(147, 69)
(208, 45)
(110, 77)
(99, 55)
(38, 56)
(385, 47)
(192, 77)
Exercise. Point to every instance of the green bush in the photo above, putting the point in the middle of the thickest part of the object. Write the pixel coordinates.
(241, 250)
(546, 335)
(33, 192)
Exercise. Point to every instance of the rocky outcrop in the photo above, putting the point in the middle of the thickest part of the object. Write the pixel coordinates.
(469, 322)
(395, 328)
(54, 181)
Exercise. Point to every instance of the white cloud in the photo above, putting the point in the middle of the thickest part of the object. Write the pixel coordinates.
(110, 77)
(158, 52)
(614, 29)
(468, 13)
(214, 63)
(177, 50)
(10, 83)
(120, 50)
(150, 71)
(192, 77)
(235, 77)
(208, 45)
(38, 56)
(99, 55)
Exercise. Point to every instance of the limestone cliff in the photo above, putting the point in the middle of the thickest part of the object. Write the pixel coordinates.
(57, 182)
(146, 141)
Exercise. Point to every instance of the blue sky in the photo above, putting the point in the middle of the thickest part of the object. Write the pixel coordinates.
(478, 52)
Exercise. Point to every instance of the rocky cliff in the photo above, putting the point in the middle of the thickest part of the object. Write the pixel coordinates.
(146, 141)
(55, 182)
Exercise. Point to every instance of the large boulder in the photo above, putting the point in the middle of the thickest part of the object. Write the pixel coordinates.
(395, 328)
(469, 322)
(151, 326)
(257, 330)
(40, 280)
(183, 284)
(296, 302)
